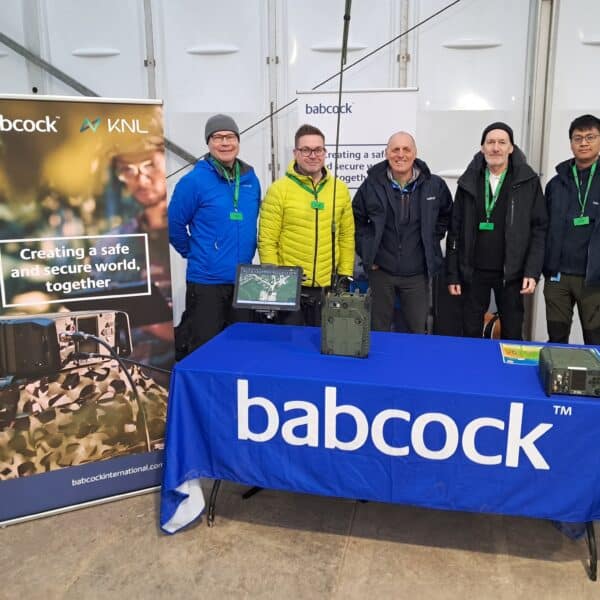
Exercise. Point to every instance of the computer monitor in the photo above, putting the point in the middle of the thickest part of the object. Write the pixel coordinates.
(267, 287)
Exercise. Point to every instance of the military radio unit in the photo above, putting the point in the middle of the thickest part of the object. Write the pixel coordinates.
(34, 346)
(572, 371)
(346, 323)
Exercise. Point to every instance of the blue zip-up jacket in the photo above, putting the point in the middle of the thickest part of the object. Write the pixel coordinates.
(200, 227)
(560, 192)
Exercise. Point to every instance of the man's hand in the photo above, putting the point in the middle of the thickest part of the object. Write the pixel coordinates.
(528, 286)
(343, 283)
(454, 289)
(374, 267)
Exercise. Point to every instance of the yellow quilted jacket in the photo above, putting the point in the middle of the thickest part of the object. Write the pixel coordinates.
(294, 231)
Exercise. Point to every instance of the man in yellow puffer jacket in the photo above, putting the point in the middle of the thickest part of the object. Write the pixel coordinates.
(295, 223)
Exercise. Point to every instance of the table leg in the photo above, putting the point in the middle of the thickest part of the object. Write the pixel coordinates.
(210, 517)
(592, 549)
(249, 493)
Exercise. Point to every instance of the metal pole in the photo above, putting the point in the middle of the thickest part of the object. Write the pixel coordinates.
(343, 58)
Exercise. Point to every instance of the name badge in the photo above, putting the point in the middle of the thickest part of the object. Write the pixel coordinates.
(485, 226)
(579, 221)
(318, 205)
(236, 216)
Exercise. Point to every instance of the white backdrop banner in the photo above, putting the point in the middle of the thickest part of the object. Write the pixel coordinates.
(368, 119)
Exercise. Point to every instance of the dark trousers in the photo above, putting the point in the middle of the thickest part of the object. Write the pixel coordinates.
(560, 297)
(208, 310)
(477, 301)
(310, 309)
(413, 293)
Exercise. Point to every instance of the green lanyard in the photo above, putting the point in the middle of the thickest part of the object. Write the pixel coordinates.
(587, 189)
(491, 203)
(314, 191)
(236, 179)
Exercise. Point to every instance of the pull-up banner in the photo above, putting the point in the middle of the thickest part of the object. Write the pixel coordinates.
(367, 120)
(86, 333)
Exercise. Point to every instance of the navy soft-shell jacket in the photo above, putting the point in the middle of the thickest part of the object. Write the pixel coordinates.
(560, 192)
(372, 206)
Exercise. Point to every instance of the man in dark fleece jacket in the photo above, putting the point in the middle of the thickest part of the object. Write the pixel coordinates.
(401, 214)
(572, 262)
(497, 233)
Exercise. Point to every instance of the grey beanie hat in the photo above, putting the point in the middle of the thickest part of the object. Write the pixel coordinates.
(220, 123)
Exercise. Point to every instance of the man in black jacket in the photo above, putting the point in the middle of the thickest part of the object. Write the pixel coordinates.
(572, 262)
(401, 213)
(497, 233)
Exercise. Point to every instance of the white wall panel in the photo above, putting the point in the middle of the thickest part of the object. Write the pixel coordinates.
(309, 43)
(471, 71)
(312, 36)
(101, 44)
(211, 57)
(14, 77)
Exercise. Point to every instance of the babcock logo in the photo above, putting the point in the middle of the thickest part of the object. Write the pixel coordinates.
(515, 445)
(91, 125)
(45, 125)
(328, 109)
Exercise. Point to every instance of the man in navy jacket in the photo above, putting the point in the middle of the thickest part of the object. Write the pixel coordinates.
(572, 261)
(212, 223)
(401, 214)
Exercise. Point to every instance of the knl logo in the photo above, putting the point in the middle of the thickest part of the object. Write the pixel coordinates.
(87, 124)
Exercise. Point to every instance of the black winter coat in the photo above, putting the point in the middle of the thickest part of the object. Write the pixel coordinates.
(560, 192)
(372, 206)
(526, 223)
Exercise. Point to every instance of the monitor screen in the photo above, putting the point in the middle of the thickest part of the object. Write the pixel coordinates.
(267, 287)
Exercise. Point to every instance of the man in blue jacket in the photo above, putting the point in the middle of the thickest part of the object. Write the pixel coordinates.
(572, 260)
(212, 223)
(401, 213)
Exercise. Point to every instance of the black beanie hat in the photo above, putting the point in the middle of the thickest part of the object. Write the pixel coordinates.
(498, 125)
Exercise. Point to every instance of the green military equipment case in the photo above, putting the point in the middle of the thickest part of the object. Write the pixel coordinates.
(346, 324)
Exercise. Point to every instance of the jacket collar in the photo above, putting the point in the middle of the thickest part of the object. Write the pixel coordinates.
(520, 170)
(379, 171)
(205, 163)
(291, 170)
(563, 169)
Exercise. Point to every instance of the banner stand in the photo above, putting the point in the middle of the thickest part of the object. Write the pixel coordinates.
(86, 321)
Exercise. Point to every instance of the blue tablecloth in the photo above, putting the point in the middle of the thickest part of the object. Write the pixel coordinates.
(426, 420)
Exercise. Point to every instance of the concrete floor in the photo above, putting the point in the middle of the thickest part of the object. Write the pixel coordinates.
(292, 546)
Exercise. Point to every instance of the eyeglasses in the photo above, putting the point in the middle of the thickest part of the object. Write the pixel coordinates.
(130, 171)
(589, 138)
(306, 152)
(227, 138)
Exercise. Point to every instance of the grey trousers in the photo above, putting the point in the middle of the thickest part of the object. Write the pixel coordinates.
(413, 293)
(561, 296)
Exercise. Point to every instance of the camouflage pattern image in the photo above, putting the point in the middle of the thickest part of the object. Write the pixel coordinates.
(81, 414)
